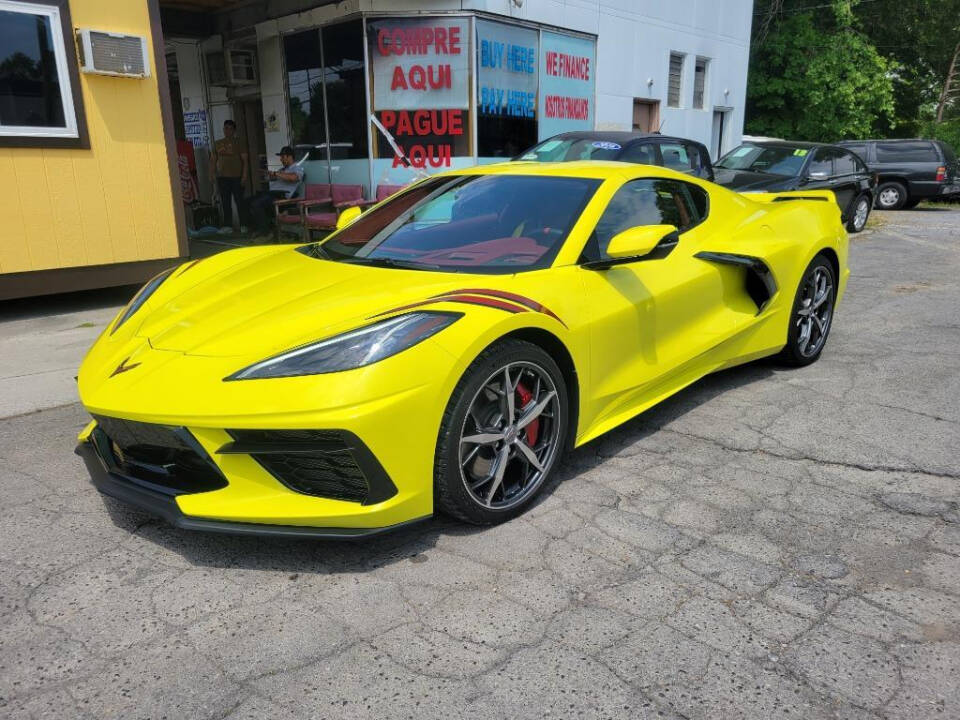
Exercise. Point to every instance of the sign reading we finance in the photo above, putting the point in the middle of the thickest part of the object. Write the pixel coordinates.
(567, 82)
(421, 86)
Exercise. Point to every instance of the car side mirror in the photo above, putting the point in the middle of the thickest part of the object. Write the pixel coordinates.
(348, 216)
(644, 242)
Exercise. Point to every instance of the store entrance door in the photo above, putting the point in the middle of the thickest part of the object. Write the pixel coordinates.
(719, 137)
(249, 118)
(646, 115)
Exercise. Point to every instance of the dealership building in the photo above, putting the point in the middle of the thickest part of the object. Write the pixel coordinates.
(105, 140)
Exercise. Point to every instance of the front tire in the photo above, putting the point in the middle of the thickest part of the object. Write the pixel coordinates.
(891, 195)
(812, 314)
(860, 215)
(502, 434)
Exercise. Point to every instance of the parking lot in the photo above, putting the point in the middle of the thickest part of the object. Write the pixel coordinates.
(768, 543)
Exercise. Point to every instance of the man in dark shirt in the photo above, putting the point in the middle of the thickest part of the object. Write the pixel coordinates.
(229, 164)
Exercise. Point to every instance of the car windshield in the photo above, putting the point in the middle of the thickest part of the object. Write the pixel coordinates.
(474, 223)
(775, 160)
(569, 149)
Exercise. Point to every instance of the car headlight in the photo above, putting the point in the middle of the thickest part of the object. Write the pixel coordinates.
(353, 349)
(140, 298)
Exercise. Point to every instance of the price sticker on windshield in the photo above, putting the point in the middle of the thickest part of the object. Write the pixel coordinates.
(800, 152)
(606, 145)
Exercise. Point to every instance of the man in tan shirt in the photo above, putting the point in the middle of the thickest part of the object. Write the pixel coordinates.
(229, 167)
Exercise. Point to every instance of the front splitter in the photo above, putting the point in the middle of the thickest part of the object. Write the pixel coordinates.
(165, 507)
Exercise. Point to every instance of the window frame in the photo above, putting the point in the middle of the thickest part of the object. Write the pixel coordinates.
(705, 62)
(74, 135)
(683, 64)
(844, 153)
(815, 158)
(591, 248)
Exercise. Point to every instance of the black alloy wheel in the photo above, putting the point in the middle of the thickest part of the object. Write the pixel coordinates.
(812, 314)
(502, 434)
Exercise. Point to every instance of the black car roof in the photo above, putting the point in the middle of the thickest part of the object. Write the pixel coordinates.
(887, 140)
(786, 143)
(618, 136)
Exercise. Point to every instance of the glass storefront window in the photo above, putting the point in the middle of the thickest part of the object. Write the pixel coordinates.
(325, 69)
(507, 57)
(567, 82)
(346, 91)
(420, 92)
(305, 88)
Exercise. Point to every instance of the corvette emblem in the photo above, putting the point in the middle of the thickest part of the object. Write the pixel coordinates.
(123, 367)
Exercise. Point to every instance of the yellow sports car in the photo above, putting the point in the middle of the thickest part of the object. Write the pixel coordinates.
(442, 350)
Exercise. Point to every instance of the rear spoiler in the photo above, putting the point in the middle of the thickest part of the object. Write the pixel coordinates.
(772, 197)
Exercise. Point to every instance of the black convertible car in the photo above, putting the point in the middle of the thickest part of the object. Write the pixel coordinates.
(680, 154)
(779, 165)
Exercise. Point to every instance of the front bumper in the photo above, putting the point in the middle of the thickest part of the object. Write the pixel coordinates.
(164, 506)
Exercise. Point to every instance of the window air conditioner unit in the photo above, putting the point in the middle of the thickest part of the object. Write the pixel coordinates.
(232, 67)
(106, 53)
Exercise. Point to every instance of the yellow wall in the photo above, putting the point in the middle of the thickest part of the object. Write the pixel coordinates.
(112, 203)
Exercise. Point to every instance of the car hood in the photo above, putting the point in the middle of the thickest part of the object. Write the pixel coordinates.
(270, 303)
(742, 180)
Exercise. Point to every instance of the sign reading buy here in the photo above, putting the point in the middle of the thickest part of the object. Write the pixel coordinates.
(420, 86)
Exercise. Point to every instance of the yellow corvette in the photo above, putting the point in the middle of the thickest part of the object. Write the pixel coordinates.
(442, 350)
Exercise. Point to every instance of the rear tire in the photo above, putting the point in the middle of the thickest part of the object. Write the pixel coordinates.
(860, 215)
(891, 195)
(812, 314)
(497, 448)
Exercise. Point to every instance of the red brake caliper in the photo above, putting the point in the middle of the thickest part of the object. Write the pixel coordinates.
(533, 429)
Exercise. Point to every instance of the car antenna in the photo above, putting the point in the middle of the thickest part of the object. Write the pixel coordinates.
(662, 123)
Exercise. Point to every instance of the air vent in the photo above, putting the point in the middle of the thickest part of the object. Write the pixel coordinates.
(105, 53)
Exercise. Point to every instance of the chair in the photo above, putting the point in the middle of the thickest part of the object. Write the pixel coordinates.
(289, 212)
(314, 216)
(385, 191)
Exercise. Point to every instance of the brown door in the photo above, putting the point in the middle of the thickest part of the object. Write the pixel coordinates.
(249, 116)
(646, 115)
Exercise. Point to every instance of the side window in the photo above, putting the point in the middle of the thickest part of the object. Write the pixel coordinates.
(697, 160)
(700, 200)
(844, 164)
(650, 201)
(920, 151)
(675, 156)
(859, 150)
(640, 153)
(821, 166)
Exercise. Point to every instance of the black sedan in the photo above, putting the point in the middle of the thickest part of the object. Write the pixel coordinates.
(778, 165)
(686, 156)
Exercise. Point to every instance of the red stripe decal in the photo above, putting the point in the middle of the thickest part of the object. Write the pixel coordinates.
(510, 302)
(519, 299)
(481, 300)
(459, 298)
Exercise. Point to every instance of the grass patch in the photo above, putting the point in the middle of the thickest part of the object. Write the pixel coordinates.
(875, 221)
(86, 324)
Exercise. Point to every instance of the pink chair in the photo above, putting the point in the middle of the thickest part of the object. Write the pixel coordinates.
(323, 213)
(289, 213)
(385, 191)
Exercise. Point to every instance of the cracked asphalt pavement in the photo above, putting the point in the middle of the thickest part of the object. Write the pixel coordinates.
(769, 543)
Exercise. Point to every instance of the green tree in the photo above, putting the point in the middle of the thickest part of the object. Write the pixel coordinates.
(922, 38)
(816, 76)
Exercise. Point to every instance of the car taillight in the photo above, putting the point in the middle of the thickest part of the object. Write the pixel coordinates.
(941, 173)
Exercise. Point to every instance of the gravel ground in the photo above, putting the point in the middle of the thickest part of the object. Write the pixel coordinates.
(769, 543)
